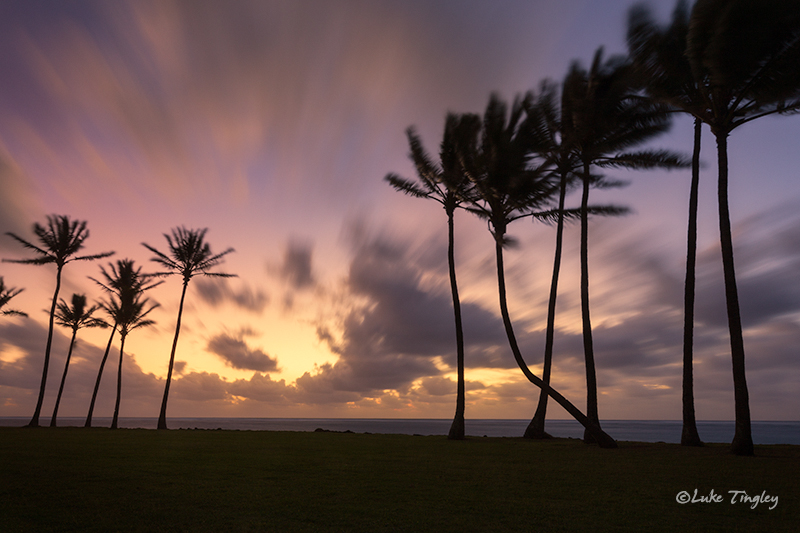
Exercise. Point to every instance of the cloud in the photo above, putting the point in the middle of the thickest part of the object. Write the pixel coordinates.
(394, 330)
(296, 267)
(235, 352)
(17, 205)
(20, 375)
(217, 291)
(767, 259)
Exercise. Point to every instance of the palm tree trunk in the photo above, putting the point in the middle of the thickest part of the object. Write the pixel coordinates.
(742, 439)
(63, 379)
(34, 423)
(689, 434)
(457, 429)
(535, 429)
(601, 437)
(115, 420)
(588, 347)
(162, 417)
(88, 423)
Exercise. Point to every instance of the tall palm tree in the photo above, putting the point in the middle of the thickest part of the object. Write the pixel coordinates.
(447, 184)
(544, 113)
(6, 295)
(508, 188)
(189, 255)
(744, 56)
(60, 240)
(129, 312)
(74, 317)
(125, 282)
(659, 56)
(606, 118)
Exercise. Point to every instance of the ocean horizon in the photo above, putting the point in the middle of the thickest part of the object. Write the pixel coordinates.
(711, 431)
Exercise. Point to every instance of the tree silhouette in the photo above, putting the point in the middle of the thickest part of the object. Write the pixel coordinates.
(447, 184)
(544, 113)
(125, 282)
(744, 56)
(605, 119)
(129, 312)
(74, 317)
(6, 295)
(509, 188)
(189, 255)
(61, 239)
(659, 56)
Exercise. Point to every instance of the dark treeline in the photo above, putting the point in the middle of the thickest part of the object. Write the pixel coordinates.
(724, 62)
(123, 284)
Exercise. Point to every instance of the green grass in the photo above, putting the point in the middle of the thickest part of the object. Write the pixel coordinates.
(74, 479)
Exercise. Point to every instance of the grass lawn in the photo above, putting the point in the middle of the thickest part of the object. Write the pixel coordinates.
(76, 479)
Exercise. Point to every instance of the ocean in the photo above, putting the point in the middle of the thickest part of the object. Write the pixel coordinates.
(764, 432)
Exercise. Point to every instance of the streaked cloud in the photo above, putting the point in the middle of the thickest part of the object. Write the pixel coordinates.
(217, 291)
(235, 352)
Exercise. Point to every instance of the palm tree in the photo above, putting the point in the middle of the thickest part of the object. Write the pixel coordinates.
(606, 118)
(447, 184)
(124, 281)
(6, 295)
(129, 312)
(509, 188)
(744, 56)
(189, 255)
(659, 56)
(544, 113)
(75, 317)
(61, 239)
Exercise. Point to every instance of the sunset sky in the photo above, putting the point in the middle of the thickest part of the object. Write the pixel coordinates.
(273, 124)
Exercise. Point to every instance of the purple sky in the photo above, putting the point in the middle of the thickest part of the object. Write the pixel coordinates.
(273, 124)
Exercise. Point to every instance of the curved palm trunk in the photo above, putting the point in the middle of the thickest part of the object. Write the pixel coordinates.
(689, 434)
(535, 429)
(588, 345)
(457, 429)
(88, 423)
(115, 420)
(63, 379)
(162, 417)
(34, 423)
(742, 439)
(601, 437)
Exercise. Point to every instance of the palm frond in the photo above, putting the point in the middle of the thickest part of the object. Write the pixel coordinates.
(28, 245)
(645, 160)
(14, 312)
(608, 210)
(93, 257)
(407, 187)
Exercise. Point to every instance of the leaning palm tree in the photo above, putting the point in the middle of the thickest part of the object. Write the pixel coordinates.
(6, 295)
(189, 255)
(60, 240)
(125, 282)
(74, 317)
(544, 114)
(447, 184)
(744, 55)
(508, 187)
(659, 57)
(605, 119)
(129, 312)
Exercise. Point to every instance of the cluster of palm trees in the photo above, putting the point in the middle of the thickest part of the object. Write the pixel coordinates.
(124, 285)
(725, 62)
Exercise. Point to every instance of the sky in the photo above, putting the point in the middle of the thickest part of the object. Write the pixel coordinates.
(273, 124)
